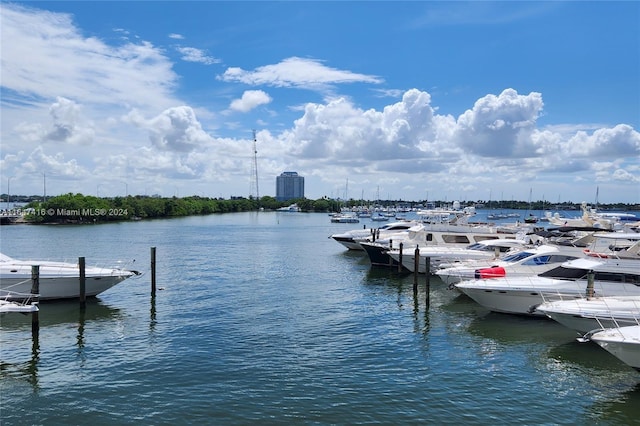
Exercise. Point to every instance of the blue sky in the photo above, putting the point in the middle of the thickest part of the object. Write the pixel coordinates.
(408, 100)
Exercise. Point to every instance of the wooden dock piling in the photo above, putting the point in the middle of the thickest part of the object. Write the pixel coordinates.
(400, 258)
(35, 279)
(35, 291)
(416, 266)
(83, 282)
(427, 282)
(590, 284)
(153, 271)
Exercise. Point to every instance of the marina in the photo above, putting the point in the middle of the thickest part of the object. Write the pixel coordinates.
(260, 316)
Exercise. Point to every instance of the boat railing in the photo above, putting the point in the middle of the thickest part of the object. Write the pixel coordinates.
(22, 298)
(66, 264)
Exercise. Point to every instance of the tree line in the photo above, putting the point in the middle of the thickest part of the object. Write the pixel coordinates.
(79, 208)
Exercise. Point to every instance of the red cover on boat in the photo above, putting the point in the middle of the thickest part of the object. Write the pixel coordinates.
(494, 272)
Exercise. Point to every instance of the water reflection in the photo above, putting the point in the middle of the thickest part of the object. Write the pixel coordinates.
(15, 333)
(26, 370)
(514, 330)
(622, 409)
(403, 287)
(61, 312)
(152, 313)
(588, 356)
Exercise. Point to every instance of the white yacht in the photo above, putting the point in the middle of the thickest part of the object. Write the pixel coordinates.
(425, 236)
(591, 217)
(344, 218)
(589, 276)
(621, 342)
(351, 239)
(591, 313)
(531, 260)
(488, 249)
(292, 208)
(57, 280)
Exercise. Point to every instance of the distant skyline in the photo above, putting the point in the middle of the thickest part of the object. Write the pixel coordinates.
(408, 100)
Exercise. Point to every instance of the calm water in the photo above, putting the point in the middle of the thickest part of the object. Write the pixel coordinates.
(261, 317)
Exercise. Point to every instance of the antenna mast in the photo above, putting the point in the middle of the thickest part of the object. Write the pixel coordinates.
(254, 169)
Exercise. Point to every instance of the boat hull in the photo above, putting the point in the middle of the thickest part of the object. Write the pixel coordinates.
(498, 295)
(7, 306)
(56, 280)
(437, 258)
(58, 287)
(348, 242)
(623, 343)
(586, 315)
(584, 324)
(378, 255)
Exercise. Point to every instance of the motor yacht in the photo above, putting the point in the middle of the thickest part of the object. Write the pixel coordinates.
(57, 280)
(621, 342)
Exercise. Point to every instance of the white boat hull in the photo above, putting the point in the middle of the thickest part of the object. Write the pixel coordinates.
(585, 324)
(438, 258)
(57, 280)
(586, 315)
(59, 287)
(623, 343)
(524, 299)
(7, 306)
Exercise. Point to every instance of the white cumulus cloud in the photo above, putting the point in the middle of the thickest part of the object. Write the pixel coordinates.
(296, 72)
(250, 99)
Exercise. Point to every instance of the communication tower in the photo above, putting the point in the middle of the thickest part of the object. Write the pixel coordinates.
(255, 191)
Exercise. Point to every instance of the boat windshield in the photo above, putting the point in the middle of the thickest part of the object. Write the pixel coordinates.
(563, 273)
(548, 258)
(488, 247)
(517, 256)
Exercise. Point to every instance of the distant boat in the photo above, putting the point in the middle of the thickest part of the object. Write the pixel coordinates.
(344, 218)
(494, 216)
(291, 208)
(531, 218)
(379, 218)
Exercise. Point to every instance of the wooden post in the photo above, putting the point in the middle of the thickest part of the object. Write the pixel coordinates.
(400, 258)
(427, 283)
(416, 266)
(35, 290)
(83, 282)
(590, 284)
(153, 271)
(35, 279)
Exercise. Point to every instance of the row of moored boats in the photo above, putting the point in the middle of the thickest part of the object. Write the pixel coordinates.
(583, 276)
